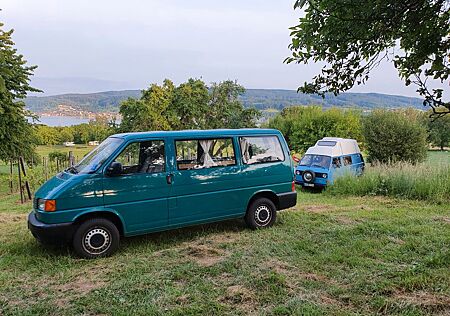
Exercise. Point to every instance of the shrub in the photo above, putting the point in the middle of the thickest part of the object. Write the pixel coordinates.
(430, 182)
(303, 126)
(57, 155)
(392, 136)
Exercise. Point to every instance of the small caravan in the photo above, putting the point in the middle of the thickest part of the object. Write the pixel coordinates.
(327, 159)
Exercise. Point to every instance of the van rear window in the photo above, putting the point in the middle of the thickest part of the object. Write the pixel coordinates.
(261, 149)
(204, 153)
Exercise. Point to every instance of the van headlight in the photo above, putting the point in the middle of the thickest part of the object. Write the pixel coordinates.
(46, 205)
(324, 175)
(297, 172)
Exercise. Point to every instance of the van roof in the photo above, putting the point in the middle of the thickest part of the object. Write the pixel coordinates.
(199, 133)
(334, 146)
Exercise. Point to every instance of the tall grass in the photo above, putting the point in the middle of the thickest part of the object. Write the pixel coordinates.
(429, 182)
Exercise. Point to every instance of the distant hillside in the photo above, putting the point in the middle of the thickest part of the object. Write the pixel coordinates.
(259, 98)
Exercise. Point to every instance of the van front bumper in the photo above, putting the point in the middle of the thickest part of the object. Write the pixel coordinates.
(50, 233)
(287, 200)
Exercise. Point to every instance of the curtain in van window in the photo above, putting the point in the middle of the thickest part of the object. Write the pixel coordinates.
(207, 159)
(244, 149)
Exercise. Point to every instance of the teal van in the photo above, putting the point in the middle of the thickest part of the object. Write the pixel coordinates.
(137, 183)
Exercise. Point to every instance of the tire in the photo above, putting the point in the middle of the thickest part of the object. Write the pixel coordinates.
(261, 213)
(95, 238)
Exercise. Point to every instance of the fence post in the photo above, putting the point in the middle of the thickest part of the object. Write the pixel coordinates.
(11, 185)
(71, 159)
(45, 164)
(20, 183)
(27, 185)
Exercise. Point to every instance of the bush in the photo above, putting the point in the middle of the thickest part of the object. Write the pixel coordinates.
(57, 155)
(303, 126)
(430, 182)
(392, 136)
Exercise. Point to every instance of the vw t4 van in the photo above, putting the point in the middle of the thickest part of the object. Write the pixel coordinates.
(326, 160)
(137, 183)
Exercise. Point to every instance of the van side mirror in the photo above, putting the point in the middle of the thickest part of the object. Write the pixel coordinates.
(114, 169)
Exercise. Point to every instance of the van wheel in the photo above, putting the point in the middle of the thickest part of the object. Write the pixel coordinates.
(261, 213)
(97, 237)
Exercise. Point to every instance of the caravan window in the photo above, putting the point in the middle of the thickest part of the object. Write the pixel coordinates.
(204, 153)
(328, 143)
(261, 149)
(347, 160)
(336, 162)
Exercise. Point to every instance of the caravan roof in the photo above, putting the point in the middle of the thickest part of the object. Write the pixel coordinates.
(334, 146)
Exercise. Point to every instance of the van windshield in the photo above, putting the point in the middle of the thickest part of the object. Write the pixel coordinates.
(316, 161)
(92, 161)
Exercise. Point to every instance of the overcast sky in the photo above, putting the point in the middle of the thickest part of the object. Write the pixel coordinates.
(88, 46)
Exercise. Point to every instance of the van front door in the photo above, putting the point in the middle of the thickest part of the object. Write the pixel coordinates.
(140, 192)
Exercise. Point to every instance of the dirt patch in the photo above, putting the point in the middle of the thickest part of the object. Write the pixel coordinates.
(81, 284)
(240, 296)
(424, 299)
(204, 255)
(444, 219)
(346, 220)
(8, 218)
(396, 240)
(322, 208)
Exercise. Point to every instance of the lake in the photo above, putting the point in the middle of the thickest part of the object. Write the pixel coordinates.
(63, 120)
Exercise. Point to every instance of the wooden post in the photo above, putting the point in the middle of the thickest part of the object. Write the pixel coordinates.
(20, 183)
(71, 159)
(57, 165)
(11, 186)
(45, 165)
(27, 185)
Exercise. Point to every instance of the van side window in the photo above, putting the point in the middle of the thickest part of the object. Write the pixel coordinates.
(347, 160)
(204, 153)
(336, 162)
(261, 149)
(143, 157)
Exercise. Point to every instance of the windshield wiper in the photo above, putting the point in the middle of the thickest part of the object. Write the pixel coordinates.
(72, 169)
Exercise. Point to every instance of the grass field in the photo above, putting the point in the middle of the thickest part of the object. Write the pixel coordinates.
(328, 255)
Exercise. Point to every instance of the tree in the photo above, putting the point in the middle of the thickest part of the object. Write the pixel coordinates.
(352, 37)
(17, 136)
(46, 135)
(393, 136)
(439, 132)
(150, 112)
(190, 103)
(225, 108)
(304, 126)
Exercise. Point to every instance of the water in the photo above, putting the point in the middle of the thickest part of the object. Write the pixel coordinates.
(61, 120)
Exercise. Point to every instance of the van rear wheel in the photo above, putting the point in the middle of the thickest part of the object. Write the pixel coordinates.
(261, 213)
(97, 237)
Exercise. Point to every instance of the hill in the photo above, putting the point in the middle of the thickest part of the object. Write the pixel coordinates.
(263, 99)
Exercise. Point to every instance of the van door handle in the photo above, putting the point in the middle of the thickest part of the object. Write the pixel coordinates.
(169, 178)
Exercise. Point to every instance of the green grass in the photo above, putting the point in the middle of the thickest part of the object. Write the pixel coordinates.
(329, 255)
(78, 150)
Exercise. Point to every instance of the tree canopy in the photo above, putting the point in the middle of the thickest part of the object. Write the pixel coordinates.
(191, 105)
(352, 37)
(16, 134)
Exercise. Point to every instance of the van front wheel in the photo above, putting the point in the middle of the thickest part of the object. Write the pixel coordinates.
(97, 237)
(261, 213)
